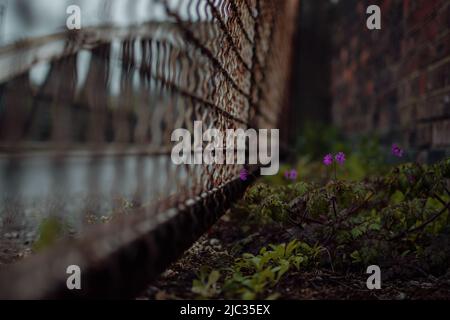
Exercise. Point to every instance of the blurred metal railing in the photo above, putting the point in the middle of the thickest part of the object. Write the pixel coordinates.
(85, 125)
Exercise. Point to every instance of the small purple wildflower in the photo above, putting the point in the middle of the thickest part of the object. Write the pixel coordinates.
(287, 174)
(340, 158)
(396, 150)
(291, 174)
(243, 175)
(328, 160)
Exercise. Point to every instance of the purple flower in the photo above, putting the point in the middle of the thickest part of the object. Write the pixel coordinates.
(396, 150)
(328, 160)
(291, 174)
(287, 174)
(243, 175)
(340, 158)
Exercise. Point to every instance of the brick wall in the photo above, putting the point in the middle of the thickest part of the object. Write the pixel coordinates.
(394, 81)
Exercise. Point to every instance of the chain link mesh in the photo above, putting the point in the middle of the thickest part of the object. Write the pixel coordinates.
(86, 119)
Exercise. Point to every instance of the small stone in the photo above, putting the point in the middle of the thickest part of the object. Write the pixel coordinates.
(427, 285)
(214, 242)
(432, 278)
(401, 296)
(168, 273)
(163, 295)
(152, 290)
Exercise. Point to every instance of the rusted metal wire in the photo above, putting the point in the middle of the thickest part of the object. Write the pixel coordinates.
(85, 125)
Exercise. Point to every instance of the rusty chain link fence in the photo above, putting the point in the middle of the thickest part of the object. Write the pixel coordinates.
(85, 138)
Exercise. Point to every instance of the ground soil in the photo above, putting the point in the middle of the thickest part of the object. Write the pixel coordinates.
(224, 241)
(13, 248)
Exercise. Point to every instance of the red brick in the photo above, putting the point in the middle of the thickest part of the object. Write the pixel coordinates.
(404, 71)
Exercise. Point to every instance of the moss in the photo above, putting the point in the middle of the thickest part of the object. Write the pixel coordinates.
(50, 230)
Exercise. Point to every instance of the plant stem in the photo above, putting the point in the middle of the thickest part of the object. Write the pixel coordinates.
(423, 225)
(335, 169)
